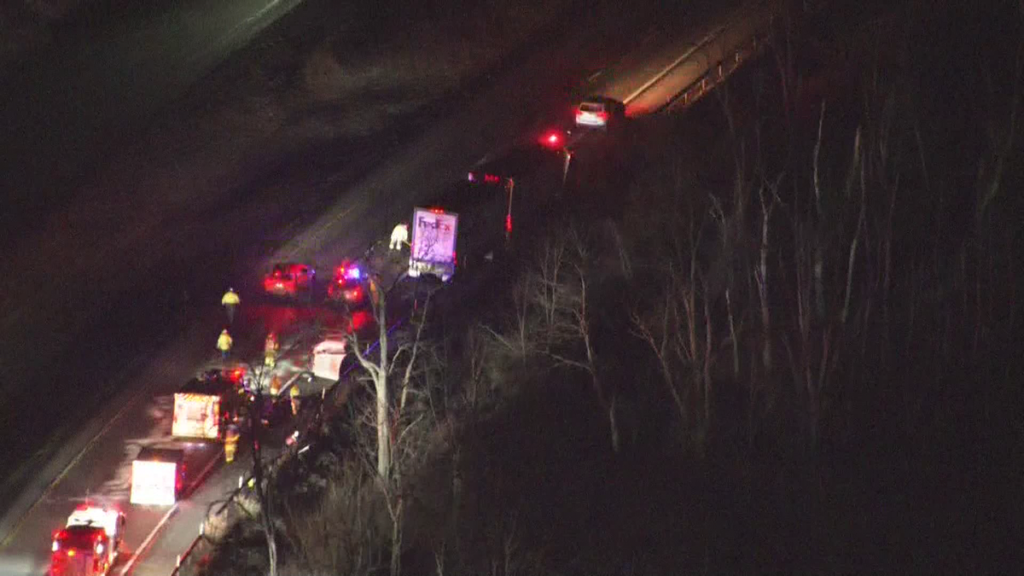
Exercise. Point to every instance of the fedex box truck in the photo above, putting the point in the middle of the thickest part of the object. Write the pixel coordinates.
(432, 250)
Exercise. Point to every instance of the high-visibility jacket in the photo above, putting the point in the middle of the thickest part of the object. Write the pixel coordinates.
(230, 299)
(224, 342)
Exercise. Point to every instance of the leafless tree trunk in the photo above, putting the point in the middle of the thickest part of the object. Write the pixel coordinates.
(261, 484)
(379, 373)
(761, 276)
(563, 297)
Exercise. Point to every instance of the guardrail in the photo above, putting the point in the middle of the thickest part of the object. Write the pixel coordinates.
(715, 75)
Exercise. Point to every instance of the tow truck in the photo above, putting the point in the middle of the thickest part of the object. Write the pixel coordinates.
(89, 544)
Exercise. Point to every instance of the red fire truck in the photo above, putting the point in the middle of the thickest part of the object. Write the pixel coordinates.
(88, 545)
(205, 406)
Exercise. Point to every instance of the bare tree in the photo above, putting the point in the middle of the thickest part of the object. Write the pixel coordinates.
(398, 434)
(562, 294)
(378, 372)
(258, 385)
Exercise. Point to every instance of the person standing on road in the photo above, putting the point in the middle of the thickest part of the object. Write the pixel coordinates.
(230, 302)
(270, 349)
(399, 236)
(230, 443)
(224, 343)
(293, 395)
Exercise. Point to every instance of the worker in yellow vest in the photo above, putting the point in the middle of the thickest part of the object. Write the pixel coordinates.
(230, 302)
(230, 443)
(224, 343)
(293, 395)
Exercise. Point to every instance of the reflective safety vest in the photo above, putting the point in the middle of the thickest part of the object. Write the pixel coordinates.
(224, 342)
(230, 299)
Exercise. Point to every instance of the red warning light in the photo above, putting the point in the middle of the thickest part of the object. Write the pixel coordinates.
(551, 139)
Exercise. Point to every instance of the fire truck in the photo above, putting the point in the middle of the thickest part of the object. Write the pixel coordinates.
(88, 545)
(205, 405)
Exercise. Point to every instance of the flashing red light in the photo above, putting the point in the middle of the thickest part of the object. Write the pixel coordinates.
(552, 139)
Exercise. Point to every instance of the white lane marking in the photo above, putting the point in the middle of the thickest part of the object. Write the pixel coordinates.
(149, 540)
(594, 76)
(657, 77)
(252, 18)
(74, 461)
(202, 475)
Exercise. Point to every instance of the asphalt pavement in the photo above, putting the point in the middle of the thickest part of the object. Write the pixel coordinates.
(71, 102)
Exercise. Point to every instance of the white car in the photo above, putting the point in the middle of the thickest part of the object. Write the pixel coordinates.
(599, 112)
(328, 356)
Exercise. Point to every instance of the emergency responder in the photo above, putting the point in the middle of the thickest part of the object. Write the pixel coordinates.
(399, 236)
(230, 443)
(224, 343)
(230, 302)
(293, 395)
(275, 385)
(270, 348)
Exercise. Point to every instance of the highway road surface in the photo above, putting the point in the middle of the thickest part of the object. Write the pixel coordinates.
(75, 99)
(528, 97)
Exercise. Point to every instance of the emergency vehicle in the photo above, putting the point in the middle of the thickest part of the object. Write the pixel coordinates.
(289, 280)
(204, 406)
(88, 545)
(347, 285)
